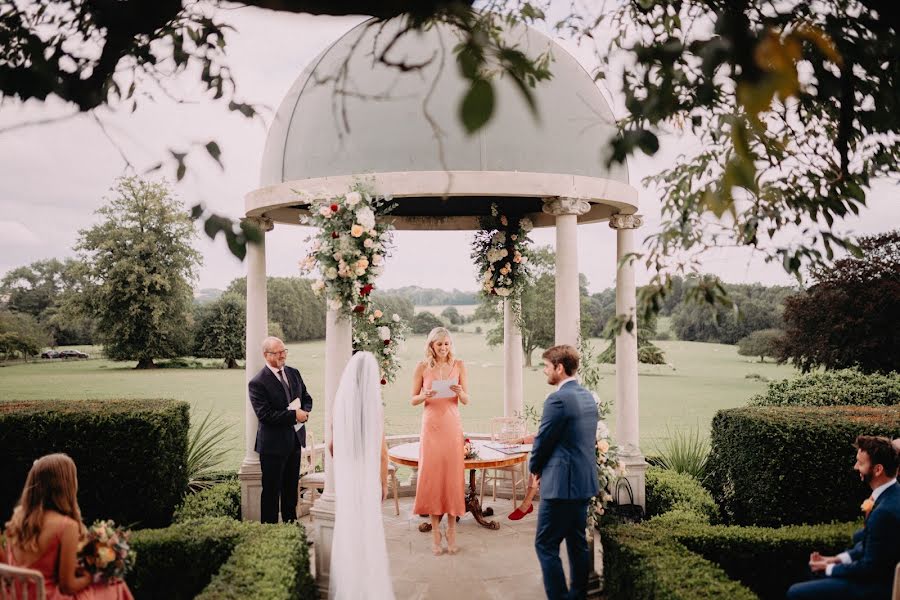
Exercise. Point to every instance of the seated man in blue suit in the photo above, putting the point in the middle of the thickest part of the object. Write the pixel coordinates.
(866, 571)
(564, 459)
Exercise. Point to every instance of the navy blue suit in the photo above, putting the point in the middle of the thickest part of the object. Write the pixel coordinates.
(564, 456)
(875, 556)
(277, 443)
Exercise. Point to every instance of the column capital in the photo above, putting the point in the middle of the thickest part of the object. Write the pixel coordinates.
(558, 206)
(264, 223)
(620, 221)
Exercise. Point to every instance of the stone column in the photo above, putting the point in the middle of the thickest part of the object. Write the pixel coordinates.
(512, 362)
(627, 407)
(568, 301)
(338, 349)
(257, 330)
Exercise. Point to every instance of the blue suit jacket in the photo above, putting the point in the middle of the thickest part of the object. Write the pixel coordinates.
(275, 434)
(877, 552)
(564, 452)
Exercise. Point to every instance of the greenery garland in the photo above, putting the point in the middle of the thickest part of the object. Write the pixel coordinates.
(381, 335)
(501, 251)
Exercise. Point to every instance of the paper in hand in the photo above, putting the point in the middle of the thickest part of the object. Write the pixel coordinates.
(295, 405)
(442, 389)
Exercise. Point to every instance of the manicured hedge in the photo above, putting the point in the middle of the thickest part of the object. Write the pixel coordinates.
(221, 559)
(668, 490)
(220, 500)
(791, 465)
(130, 454)
(832, 388)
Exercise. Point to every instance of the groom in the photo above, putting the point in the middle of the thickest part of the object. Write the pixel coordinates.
(277, 441)
(564, 459)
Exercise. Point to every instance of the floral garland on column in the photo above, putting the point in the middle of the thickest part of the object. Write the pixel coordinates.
(501, 253)
(348, 251)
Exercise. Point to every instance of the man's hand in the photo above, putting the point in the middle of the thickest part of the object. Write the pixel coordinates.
(818, 566)
(302, 416)
(828, 560)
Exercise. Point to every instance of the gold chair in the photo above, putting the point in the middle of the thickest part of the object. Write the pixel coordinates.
(17, 583)
(504, 430)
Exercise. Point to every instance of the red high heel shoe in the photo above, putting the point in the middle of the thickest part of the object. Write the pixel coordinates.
(518, 514)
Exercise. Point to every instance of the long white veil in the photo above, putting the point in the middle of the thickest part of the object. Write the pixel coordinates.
(359, 563)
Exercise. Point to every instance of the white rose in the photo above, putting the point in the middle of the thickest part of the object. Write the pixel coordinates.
(353, 198)
(338, 256)
(526, 225)
(365, 217)
(318, 285)
(602, 430)
(331, 273)
(395, 318)
(325, 211)
(377, 259)
(385, 333)
(603, 446)
(368, 243)
(502, 292)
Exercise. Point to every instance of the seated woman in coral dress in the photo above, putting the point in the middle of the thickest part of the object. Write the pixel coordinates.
(45, 529)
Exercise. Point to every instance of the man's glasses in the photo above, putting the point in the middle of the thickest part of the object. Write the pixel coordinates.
(282, 353)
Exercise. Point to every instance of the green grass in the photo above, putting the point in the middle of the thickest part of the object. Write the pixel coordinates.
(705, 378)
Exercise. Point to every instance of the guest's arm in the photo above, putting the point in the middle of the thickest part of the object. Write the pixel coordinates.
(420, 395)
(462, 389)
(879, 550)
(553, 422)
(69, 582)
(265, 412)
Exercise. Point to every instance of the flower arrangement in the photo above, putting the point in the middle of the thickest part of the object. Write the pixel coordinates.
(470, 450)
(349, 247)
(104, 552)
(381, 335)
(501, 253)
(609, 469)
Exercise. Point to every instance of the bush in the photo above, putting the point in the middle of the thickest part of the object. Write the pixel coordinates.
(220, 500)
(791, 465)
(670, 491)
(424, 322)
(685, 452)
(761, 343)
(222, 559)
(832, 388)
(131, 454)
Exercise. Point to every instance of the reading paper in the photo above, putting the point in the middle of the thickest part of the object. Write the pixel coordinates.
(442, 389)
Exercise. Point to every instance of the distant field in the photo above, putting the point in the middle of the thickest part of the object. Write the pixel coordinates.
(705, 378)
(463, 309)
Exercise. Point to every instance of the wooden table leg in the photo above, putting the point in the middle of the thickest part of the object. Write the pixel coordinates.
(473, 505)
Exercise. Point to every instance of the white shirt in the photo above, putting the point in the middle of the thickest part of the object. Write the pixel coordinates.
(565, 381)
(844, 556)
(276, 371)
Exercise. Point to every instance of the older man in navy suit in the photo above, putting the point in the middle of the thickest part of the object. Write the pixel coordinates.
(564, 459)
(866, 571)
(278, 439)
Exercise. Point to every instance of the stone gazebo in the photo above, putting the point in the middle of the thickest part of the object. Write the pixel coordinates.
(400, 132)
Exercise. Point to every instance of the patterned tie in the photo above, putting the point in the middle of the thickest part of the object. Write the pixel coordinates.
(284, 384)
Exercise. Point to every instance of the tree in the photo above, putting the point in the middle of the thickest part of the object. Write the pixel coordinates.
(648, 352)
(220, 330)
(392, 303)
(761, 343)
(425, 321)
(21, 335)
(139, 264)
(452, 315)
(292, 304)
(849, 318)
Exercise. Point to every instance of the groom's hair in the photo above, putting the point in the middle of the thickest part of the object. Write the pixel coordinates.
(564, 355)
(880, 451)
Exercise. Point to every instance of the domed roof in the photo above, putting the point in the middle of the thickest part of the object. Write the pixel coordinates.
(350, 116)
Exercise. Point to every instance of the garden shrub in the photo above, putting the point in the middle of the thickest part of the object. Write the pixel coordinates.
(832, 388)
(221, 559)
(791, 465)
(130, 454)
(220, 500)
(667, 490)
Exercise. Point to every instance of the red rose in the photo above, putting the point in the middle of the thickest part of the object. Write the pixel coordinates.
(468, 440)
(334, 235)
(387, 342)
(334, 208)
(384, 382)
(367, 289)
(359, 308)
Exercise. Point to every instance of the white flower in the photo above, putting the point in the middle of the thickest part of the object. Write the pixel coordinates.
(337, 256)
(603, 446)
(371, 318)
(504, 253)
(365, 217)
(325, 211)
(499, 238)
(378, 314)
(356, 230)
(377, 260)
(331, 273)
(362, 263)
(602, 430)
(385, 333)
(318, 285)
(353, 198)
(526, 225)
(395, 318)
(334, 304)
(316, 245)
(524, 260)
(368, 243)
(494, 255)
(503, 292)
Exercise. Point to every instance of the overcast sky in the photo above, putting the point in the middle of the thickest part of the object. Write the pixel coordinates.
(53, 177)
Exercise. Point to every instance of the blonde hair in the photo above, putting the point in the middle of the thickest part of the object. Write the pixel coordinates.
(438, 333)
(52, 484)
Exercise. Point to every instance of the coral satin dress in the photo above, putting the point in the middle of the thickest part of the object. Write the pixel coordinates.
(440, 487)
(48, 565)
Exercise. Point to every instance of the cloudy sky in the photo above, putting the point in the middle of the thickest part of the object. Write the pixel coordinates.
(54, 176)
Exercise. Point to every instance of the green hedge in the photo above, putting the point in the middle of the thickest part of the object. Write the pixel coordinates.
(130, 454)
(220, 500)
(221, 559)
(678, 559)
(668, 490)
(832, 388)
(791, 465)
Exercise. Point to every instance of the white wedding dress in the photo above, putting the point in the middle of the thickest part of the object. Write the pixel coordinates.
(359, 562)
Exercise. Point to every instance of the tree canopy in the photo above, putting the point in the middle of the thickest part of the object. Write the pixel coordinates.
(220, 328)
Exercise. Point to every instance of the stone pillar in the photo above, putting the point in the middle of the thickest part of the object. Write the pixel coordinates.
(568, 301)
(257, 330)
(512, 363)
(627, 407)
(338, 349)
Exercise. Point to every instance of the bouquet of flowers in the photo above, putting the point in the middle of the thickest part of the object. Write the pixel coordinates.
(104, 551)
(500, 251)
(470, 450)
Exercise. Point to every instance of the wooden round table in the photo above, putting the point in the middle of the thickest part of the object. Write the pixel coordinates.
(488, 458)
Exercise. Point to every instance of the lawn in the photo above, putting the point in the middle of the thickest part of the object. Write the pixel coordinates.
(702, 379)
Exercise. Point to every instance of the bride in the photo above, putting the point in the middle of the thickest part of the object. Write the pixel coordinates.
(359, 563)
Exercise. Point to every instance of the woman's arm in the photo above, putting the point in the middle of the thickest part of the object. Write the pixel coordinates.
(69, 582)
(419, 395)
(462, 389)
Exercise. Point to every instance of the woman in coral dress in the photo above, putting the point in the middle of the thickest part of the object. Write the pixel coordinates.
(45, 529)
(440, 488)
